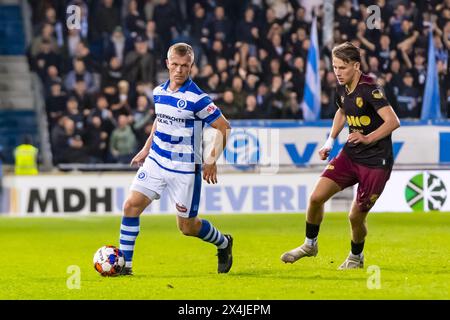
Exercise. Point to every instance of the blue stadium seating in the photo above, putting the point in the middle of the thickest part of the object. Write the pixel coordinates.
(14, 124)
(12, 37)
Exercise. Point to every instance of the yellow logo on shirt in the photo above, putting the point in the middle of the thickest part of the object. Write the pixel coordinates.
(374, 197)
(377, 94)
(359, 102)
(356, 121)
(329, 167)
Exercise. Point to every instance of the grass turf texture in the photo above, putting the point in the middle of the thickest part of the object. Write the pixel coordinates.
(411, 250)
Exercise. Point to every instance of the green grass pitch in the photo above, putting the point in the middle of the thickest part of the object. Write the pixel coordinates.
(410, 250)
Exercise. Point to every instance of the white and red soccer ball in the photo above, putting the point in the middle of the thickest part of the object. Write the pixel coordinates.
(109, 261)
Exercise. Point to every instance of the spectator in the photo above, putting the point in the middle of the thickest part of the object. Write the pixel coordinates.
(55, 104)
(251, 83)
(277, 98)
(140, 64)
(84, 99)
(122, 144)
(292, 109)
(84, 53)
(47, 36)
(154, 44)
(78, 73)
(409, 101)
(109, 18)
(116, 46)
(165, 17)
(143, 116)
(245, 29)
(112, 74)
(52, 76)
(237, 86)
(419, 72)
(95, 140)
(73, 39)
(228, 105)
(385, 52)
(298, 77)
(73, 112)
(395, 78)
(250, 110)
(134, 21)
(262, 99)
(67, 144)
(43, 59)
(220, 26)
(212, 86)
(26, 157)
(122, 107)
(444, 85)
(102, 111)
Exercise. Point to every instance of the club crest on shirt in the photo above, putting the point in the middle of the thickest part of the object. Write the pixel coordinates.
(142, 175)
(377, 94)
(342, 99)
(359, 102)
(181, 104)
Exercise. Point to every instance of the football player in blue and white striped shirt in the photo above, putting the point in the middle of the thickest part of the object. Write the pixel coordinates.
(171, 159)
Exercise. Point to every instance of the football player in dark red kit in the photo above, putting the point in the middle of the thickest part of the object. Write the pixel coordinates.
(366, 158)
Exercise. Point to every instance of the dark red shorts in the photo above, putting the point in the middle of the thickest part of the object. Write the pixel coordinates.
(345, 172)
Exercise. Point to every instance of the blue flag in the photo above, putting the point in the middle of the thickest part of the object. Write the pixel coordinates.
(311, 96)
(431, 105)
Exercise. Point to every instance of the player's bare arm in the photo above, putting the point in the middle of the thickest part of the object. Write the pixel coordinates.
(210, 168)
(391, 122)
(338, 125)
(139, 158)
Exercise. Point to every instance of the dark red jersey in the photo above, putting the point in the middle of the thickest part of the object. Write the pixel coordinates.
(360, 108)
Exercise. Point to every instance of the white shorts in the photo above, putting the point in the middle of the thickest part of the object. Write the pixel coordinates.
(183, 188)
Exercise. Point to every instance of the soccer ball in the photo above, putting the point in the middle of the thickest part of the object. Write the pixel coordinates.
(109, 261)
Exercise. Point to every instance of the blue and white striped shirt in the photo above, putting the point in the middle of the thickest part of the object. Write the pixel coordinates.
(180, 116)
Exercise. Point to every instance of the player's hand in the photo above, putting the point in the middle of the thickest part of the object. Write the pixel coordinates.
(210, 173)
(139, 159)
(324, 153)
(357, 137)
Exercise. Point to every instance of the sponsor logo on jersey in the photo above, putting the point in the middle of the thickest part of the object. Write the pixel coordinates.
(329, 167)
(211, 108)
(356, 121)
(181, 207)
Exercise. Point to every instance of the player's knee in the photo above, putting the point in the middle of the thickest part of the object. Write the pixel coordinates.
(316, 200)
(356, 220)
(132, 207)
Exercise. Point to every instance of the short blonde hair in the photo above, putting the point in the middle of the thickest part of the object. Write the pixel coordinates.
(181, 49)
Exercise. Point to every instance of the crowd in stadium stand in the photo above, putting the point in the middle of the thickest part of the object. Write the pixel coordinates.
(251, 58)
